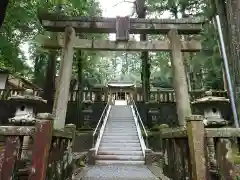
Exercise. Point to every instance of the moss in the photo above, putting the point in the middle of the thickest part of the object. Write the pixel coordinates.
(81, 164)
(235, 156)
(158, 127)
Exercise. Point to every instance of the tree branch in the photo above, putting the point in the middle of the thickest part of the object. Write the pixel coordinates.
(122, 2)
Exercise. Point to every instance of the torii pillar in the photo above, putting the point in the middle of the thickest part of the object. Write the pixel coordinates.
(63, 84)
(179, 78)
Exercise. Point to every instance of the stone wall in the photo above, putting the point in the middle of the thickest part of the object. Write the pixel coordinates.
(83, 141)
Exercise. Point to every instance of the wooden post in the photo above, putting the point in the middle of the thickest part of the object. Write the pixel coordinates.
(179, 77)
(225, 162)
(196, 141)
(61, 96)
(71, 128)
(42, 142)
(9, 156)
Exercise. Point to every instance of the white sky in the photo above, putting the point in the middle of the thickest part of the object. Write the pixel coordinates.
(121, 9)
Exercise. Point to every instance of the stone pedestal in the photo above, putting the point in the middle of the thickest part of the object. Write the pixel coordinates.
(148, 157)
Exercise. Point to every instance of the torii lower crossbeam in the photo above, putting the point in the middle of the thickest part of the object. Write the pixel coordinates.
(106, 45)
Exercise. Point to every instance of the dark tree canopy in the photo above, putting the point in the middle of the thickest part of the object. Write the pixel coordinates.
(3, 7)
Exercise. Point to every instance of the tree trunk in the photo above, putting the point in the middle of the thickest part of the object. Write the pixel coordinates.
(79, 113)
(50, 81)
(141, 12)
(3, 7)
(233, 14)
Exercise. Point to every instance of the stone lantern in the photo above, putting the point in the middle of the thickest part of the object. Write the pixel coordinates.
(26, 111)
(213, 109)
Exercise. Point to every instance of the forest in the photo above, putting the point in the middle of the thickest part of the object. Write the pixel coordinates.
(21, 29)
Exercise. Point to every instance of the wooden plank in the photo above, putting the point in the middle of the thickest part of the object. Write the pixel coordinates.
(41, 147)
(62, 134)
(17, 130)
(56, 23)
(8, 157)
(224, 159)
(106, 45)
(179, 132)
(222, 132)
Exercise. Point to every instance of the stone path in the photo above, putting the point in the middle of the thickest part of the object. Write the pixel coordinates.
(116, 172)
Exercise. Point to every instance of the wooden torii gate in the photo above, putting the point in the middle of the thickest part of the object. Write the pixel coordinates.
(122, 26)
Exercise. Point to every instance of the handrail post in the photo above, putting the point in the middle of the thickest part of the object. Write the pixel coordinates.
(196, 141)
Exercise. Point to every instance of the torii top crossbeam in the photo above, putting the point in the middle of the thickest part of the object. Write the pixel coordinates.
(57, 23)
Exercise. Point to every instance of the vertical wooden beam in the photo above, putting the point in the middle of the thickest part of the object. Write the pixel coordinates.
(61, 96)
(179, 77)
(195, 131)
(8, 157)
(42, 142)
(225, 162)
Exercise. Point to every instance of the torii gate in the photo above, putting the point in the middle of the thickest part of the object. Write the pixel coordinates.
(122, 26)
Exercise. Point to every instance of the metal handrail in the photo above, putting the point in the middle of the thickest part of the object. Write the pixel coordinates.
(140, 119)
(99, 122)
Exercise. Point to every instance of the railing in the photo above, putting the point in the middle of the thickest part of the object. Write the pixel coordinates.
(139, 124)
(93, 95)
(36, 152)
(196, 152)
(101, 126)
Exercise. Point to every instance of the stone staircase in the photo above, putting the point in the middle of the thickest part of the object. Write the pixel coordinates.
(120, 143)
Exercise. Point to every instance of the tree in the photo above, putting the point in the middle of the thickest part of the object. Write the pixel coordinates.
(3, 8)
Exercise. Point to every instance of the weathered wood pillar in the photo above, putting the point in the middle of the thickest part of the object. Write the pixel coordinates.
(179, 78)
(196, 141)
(225, 161)
(62, 92)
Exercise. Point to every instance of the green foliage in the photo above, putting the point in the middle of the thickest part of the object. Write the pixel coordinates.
(204, 68)
(21, 25)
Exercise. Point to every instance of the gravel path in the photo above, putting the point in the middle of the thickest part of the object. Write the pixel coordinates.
(116, 172)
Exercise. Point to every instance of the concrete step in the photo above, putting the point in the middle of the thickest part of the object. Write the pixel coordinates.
(120, 134)
(120, 148)
(120, 144)
(129, 153)
(107, 162)
(122, 120)
(119, 131)
(123, 137)
(120, 128)
(116, 129)
(120, 141)
(120, 157)
(121, 125)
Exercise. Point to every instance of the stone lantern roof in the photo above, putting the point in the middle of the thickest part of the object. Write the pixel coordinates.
(28, 97)
(209, 98)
